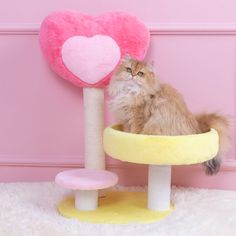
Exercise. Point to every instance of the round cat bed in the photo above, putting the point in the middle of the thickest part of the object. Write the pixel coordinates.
(160, 150)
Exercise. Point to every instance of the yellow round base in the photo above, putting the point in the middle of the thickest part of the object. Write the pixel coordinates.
(115, 208)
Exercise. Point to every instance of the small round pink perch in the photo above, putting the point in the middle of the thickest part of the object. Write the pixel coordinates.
(86, 183)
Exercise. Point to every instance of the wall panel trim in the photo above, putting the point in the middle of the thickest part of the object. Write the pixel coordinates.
(75, 161)
(155, 28)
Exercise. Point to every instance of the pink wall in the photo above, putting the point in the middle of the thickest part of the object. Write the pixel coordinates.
(193, 44)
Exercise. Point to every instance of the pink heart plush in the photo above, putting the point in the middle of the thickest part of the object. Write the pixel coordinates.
(127, 31)
(90, 59)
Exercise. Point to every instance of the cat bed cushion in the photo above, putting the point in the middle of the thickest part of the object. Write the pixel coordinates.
(160, 150)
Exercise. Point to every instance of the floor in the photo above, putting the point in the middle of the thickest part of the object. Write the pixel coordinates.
(29, 209)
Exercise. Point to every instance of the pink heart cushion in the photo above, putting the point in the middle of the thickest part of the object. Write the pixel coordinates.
(90, 59)
(59, 28)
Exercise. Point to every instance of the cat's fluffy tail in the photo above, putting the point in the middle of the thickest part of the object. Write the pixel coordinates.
(221, 125)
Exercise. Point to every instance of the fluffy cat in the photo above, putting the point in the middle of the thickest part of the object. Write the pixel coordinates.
(144, 105)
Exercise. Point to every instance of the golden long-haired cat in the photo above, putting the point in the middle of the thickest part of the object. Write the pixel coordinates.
(144, 105)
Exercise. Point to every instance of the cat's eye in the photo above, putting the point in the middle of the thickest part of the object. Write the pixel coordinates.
(140, 73)
(128, 69)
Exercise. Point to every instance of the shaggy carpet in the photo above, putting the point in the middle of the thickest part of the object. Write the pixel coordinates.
(29, 209)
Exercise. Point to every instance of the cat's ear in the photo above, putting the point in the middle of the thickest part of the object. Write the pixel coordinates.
(127, 57)
(151, 64)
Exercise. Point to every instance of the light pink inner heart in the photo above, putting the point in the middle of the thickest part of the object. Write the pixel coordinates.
(90, 59)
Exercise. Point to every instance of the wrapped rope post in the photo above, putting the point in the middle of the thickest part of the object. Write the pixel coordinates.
(159, 187)
(94, 126)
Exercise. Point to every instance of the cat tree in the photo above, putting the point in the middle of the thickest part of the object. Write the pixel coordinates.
(85, 50)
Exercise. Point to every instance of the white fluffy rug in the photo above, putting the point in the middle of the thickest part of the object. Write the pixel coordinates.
(29, 209)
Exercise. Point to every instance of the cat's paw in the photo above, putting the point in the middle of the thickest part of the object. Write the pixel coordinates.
(212, 166)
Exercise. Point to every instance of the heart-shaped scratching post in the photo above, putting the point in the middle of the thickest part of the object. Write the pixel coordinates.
(85, 50)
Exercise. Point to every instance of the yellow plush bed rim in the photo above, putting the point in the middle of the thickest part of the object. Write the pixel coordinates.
(160, 150)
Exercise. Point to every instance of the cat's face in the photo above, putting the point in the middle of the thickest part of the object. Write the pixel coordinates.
(137, 75)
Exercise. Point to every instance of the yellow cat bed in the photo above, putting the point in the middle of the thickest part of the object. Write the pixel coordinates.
(160, 150)
(160, 153)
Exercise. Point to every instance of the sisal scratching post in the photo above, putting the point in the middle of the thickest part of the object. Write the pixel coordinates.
(86, 200)
(159, 187)
(94, 125)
